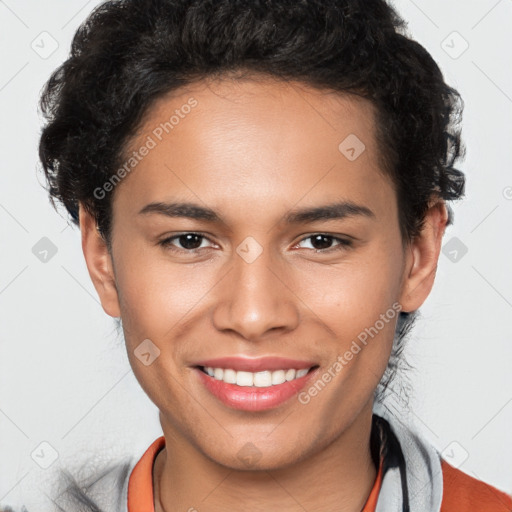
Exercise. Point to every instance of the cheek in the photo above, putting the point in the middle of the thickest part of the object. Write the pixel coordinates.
(351, 296)
(155, 295)
(360, 304)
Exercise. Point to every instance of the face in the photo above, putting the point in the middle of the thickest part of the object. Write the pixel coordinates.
(256, 235)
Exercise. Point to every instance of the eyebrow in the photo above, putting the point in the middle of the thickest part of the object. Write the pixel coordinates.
(338, 210)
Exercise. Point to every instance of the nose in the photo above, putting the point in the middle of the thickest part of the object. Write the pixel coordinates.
(256, 297)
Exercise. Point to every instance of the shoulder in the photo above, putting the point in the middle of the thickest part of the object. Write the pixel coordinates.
(462, 492)
(100, 490)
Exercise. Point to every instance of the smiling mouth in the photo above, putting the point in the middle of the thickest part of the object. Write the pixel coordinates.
(261, 379)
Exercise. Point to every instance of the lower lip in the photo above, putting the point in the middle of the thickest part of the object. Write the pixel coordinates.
(252, 398)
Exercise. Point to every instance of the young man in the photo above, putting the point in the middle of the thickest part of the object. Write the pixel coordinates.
(260, 188)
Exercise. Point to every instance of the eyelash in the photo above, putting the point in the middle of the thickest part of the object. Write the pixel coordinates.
(343, 243)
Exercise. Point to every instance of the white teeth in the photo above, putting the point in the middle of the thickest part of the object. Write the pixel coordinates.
(244, 378)
(290, 374)
(278, 377)
(229, 376)
(261, 379)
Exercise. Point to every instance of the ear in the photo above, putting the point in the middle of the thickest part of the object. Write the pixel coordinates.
(422, 255)
(99, 263)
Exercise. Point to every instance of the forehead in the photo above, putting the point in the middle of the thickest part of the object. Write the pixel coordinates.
(259, 139)
(251, 101)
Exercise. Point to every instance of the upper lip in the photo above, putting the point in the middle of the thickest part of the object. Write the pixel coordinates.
(248, 364)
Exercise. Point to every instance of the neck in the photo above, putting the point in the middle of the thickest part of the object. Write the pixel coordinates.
(338, 477)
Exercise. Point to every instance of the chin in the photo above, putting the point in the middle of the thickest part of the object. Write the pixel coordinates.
(258, 456)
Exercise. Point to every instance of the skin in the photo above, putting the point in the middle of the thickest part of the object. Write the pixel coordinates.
(254, 150)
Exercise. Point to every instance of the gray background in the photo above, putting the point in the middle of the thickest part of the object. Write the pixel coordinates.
(64, 375)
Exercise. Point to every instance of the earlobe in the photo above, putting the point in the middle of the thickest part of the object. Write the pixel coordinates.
(422, 258)
(99, 263)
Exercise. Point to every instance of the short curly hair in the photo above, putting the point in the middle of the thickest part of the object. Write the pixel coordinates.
(129, 53)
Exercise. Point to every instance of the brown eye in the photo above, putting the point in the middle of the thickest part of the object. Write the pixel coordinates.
(322, 242)
(190, 241)
(185, 242)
